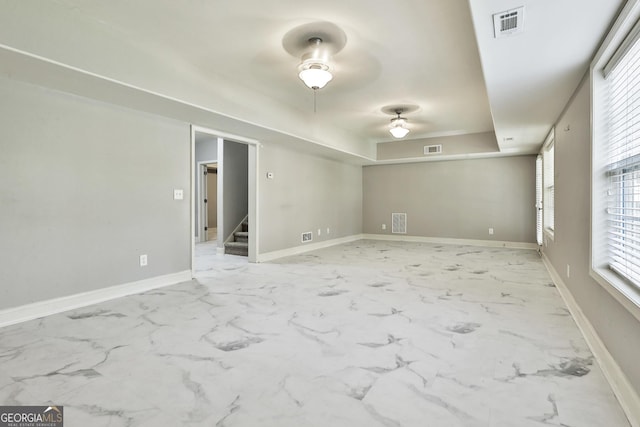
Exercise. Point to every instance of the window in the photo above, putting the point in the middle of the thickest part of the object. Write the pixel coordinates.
(548, 184)
(615, 161)
(539, 200)
(622, 171)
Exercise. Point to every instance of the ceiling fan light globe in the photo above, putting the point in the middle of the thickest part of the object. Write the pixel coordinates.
(399, 131)
(315, 78)
(397, 128)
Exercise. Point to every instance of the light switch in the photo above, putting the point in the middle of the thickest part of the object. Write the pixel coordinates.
(178, 194)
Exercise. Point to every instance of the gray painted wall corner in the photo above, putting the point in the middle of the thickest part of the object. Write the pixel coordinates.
(306, 193)
(454, 199)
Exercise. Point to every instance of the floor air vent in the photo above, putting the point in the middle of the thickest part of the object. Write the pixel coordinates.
(399, 223)
(509, 22)
(432, 149)
(307, 237)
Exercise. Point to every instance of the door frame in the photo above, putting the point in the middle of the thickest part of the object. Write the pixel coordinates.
(202, 208)
(253, 146)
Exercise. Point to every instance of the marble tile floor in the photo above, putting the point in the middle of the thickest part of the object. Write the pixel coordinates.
(367, 333)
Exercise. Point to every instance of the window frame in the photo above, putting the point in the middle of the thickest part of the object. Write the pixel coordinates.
(539, 193)
(548, 171)
(623, 33)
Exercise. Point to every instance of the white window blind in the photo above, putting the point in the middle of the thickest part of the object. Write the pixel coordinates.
(623, 162)
(539, 200)
(549, 187)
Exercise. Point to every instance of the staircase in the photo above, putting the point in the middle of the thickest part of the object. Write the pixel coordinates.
(239, 243)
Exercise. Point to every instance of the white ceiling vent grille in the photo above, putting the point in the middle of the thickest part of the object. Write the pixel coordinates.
(509, 22)
(399, 223)
(432, 149)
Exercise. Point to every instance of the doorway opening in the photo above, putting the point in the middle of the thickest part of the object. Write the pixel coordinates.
(209, 196)
(224, 201)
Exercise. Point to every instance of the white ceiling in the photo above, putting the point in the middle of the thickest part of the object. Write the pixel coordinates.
(531, 76)
(228, 56)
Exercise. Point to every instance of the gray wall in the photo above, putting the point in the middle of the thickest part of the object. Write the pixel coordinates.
(617, 328)
(85, 188)
(484, 142)
(206, 148)
(454, 199)
(306, 193)
(235, 186)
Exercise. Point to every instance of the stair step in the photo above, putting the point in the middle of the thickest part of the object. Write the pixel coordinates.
(236, 245)
(241, 236)
(236, 248)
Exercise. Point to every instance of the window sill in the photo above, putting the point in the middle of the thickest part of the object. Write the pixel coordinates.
(626, 294)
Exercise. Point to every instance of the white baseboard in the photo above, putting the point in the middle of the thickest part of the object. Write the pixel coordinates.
(39, 309)
(451, 241)
(270, 256)
(622, 388)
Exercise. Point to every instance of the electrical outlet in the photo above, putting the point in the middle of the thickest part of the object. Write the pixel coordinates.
(178, 194)
(328, 230)
(490, 231)
(384, 226)
(143, 260)
(568, 271)
(319, 232)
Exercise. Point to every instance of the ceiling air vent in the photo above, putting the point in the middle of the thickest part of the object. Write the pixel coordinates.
(432, 149)
(399, 223)
(509, 22)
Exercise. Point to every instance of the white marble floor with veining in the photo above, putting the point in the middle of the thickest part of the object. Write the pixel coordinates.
(362, 334)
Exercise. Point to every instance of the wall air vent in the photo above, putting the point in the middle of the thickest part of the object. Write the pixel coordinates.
(307, 237)
(432, 149)
(509, 22)
(399, 223)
